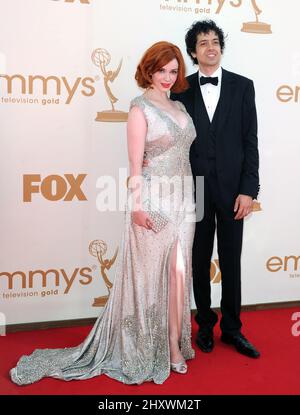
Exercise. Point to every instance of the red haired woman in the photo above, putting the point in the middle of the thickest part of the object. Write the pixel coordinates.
(145, 328)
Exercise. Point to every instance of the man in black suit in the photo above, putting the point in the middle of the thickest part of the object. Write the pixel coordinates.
(222, 105)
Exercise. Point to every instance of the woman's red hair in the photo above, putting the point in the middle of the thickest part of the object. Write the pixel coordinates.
(157, 56)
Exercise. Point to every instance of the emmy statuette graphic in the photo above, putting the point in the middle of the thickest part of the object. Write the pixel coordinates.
(256, 207)
(215, 273)
(257, 26)
(98, 249)
(101, 58)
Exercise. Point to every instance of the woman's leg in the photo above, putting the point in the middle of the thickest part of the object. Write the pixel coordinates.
(176, 301)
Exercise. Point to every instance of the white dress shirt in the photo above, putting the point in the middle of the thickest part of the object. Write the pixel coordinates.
(211, 93)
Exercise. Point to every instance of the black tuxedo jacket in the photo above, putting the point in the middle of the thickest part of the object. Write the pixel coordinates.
(235, 135)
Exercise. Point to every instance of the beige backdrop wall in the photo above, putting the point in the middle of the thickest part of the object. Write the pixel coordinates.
(53, 150)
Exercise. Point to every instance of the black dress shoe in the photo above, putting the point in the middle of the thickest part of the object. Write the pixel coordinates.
(205, 340)
(241, 344)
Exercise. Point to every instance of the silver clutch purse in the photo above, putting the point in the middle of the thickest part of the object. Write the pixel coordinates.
(158, 217)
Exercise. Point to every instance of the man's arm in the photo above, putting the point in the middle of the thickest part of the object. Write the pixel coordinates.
(249, 184)
(175, 97)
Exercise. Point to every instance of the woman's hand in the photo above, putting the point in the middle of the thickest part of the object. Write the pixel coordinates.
(141, 218)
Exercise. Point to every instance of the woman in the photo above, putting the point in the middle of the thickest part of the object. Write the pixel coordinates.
(145, 328)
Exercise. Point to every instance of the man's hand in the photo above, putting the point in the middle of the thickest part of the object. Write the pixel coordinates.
(243, 206)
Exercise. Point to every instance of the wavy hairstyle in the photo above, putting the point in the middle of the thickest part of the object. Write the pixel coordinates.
(157, 56)
(202, 26)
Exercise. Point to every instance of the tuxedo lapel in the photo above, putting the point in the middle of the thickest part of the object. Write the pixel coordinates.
(225, 100)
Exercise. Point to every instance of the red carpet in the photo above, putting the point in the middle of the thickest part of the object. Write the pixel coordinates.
(222, 372)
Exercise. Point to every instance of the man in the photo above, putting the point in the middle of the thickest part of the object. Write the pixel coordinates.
(222, 105)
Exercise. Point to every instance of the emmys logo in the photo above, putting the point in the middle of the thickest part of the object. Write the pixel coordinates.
(40, 278)
(288, 263)
(192, 6)
(101, 58)
(186, 5)
(34, 84)
(215, 273)
(98, 249)
(54, 187)
(287, 93)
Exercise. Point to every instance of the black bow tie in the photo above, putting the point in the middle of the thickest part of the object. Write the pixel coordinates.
(209, 80)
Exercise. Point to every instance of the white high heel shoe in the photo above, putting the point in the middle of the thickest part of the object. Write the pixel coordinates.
(180, 367)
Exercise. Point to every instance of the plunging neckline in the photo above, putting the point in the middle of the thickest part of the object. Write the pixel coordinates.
(168, 114)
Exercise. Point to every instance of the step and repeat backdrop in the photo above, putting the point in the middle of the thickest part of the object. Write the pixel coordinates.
(66, 79)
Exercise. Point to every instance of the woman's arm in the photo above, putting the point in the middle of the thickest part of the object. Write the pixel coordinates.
(136, 136)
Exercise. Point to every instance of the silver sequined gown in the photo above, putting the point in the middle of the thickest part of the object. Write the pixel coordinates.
(129, 341)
